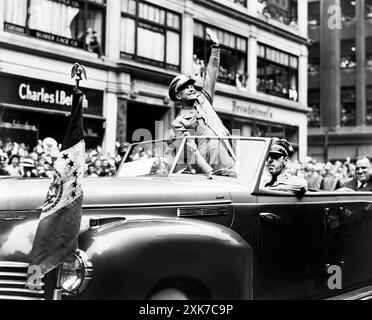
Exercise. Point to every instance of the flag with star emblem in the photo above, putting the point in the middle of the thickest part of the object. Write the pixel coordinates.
(59, 225)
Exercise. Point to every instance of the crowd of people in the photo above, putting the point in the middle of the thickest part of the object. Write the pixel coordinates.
(270, 11)
(323, 176)
(19, 160)
(238, 78)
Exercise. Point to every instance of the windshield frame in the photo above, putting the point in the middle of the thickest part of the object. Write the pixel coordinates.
(256, 177)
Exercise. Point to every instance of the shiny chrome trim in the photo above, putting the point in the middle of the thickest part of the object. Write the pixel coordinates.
(5, 297)
(13, 274)
(157, 204)
(359, 294)
(87, 276)
(215, 211)
(7, 264)
(22, 290)
(15, 282)
(103, 223)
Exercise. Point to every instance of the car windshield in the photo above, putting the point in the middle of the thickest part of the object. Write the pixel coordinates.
(231, 157)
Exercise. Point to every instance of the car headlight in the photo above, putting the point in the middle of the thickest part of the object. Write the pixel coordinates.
(75, 273)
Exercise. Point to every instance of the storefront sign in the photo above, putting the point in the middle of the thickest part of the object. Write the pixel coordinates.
(252, 110)
(46, 95)
(59, 97)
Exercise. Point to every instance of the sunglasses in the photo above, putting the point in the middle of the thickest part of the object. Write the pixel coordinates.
(275, 156)
(361, 168)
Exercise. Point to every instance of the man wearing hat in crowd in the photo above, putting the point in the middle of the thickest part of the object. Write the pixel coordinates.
(279, 178)
(197, 116)
(28, 168)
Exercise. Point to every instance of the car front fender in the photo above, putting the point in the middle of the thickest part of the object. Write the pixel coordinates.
(133, 258)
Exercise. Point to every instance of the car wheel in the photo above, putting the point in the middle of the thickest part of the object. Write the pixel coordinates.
(169, 294)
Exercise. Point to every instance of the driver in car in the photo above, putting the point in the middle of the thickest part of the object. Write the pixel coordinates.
(198, 117)
(277, 176)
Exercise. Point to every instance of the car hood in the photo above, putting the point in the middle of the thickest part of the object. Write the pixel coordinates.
(22, 194)
(21, 201)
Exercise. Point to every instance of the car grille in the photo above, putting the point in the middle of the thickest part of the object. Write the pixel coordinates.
(13, 277)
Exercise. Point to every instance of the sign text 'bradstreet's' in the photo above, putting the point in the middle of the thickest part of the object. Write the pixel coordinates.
(253, 110)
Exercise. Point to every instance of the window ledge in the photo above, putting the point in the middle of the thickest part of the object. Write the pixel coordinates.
(273, 22)
(132, 63)
(234, 6)
(280, 101)
(46, 46)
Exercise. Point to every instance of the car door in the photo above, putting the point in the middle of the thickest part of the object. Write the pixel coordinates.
(356, 219)
(298, 239)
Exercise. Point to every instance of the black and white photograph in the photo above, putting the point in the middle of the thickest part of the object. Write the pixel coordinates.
(207, 150)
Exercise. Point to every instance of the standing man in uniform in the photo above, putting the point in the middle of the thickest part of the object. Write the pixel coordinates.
(197, 116)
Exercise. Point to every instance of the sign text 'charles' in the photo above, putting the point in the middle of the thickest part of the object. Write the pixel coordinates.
(58, 97)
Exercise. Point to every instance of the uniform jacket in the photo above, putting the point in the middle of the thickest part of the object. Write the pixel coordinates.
(285, 182)
(353, 184)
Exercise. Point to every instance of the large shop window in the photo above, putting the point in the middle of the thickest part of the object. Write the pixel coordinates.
(233, 65)
(150, 34)
(348, 107)
(277, 72)
(284, 11)
(76, 23)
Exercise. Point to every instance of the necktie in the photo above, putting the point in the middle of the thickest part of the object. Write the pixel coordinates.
(362, 185)
(272, 181)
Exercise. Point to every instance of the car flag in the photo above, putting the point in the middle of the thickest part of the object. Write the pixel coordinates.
(59, 224)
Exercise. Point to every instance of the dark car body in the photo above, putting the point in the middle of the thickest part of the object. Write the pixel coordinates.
(208, 236)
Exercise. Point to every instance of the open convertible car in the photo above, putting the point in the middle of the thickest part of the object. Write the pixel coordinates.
(172, 225)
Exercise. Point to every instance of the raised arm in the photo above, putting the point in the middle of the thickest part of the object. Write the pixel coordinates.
(209, 85)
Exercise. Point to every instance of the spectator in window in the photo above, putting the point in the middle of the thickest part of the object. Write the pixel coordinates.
(293, 95)
(88, 37)
(95, 44)
(196, 66)
(197, 114)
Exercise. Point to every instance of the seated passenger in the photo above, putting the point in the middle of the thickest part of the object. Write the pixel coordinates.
(362, 181)
(278, 177)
